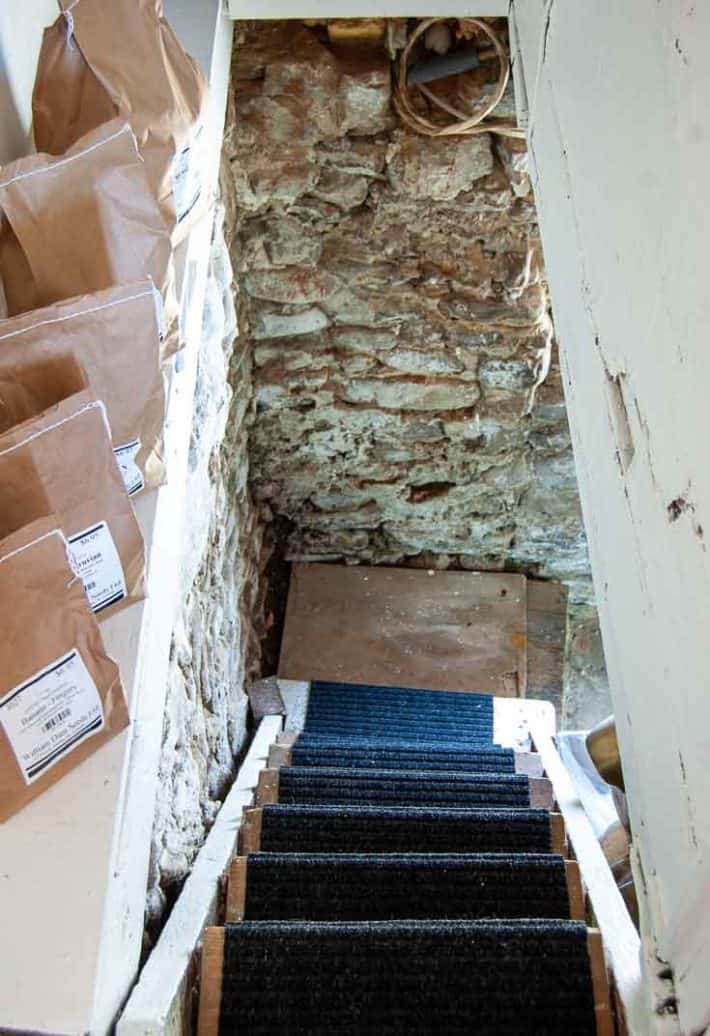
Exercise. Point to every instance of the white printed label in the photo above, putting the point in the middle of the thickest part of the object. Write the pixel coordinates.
(49, 715)
(126, 457)
(98, 565)
(187, 174)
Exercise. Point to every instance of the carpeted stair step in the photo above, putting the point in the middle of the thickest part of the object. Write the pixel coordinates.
(293, 785)
(312, 740)
(328, 694)
(386, 731)
(416, 730)
(363, 710)
(387, 887)
(491, 978)
(397, 710)
(357, 710)
(398, 755)
(404, 755)
(470, 708)
(356, 829)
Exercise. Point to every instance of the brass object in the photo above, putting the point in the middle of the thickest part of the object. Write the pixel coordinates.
(603, 748)
(357, 30)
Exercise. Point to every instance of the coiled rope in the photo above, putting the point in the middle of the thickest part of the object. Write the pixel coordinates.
(467, 125)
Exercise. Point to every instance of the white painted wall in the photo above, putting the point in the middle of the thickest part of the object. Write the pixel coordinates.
(618, 97)
(21, 25)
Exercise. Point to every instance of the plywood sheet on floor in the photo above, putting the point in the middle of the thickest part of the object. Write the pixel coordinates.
(455, 631)
(547, 629)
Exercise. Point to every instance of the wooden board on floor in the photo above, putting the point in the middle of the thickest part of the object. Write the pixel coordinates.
(453, 631)
(547, 630)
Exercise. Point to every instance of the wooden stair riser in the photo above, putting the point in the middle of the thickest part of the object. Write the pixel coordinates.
(528, 763)
(267, 790)
(250, 834)
(237, 887)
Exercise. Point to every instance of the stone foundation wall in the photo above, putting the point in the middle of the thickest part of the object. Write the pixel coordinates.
(409, 400)
(216, 639)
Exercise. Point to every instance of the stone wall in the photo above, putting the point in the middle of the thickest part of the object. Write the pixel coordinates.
(217, 634)
(409, 401)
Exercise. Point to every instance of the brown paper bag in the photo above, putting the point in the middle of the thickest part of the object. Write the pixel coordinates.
(62, 462)
(113, 337)
(103, 58)
(82, 223)
(61, 696)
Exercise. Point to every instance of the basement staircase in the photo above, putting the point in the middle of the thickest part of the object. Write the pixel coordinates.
(402, 873)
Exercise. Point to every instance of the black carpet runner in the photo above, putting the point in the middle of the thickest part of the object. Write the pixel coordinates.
(384, 887)
(367, 829)
(404, 885)
(407, 977)
(403, 755)
(331, 785)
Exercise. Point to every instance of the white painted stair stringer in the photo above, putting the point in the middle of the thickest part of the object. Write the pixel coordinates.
(160, 1004)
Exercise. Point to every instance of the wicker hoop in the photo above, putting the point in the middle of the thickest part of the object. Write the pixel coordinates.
(467, 125)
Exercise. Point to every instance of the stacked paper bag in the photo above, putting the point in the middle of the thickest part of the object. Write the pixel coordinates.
(103, 58)
(88, 330)
(114, 338)
(61, 696)
(81, 223)
(62, 462)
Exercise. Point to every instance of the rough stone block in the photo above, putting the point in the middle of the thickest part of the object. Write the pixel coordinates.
(439, 171)
(287, 325)
(411, 395)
